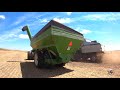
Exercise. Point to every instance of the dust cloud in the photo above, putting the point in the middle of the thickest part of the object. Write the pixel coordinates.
(111, 57)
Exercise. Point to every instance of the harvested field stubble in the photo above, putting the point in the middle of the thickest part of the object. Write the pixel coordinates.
(14, 65)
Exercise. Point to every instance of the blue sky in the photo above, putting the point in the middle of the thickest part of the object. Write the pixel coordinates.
(101, 26)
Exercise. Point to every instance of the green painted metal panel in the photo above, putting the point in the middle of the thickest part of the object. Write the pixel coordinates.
(62, 40)
(57, 40)
(42, 41)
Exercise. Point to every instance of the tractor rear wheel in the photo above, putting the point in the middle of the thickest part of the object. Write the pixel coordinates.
(93, 59)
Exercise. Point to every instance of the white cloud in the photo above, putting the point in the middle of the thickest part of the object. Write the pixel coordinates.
(21, 19)
(95, 17)
(69, 13)
(102, 32)
(88, 40)
(85, 31)
(23, 36)
(63, 20)
(10, 35)
(25, 17)
(44, 20)
(2, 17)
(7, 37)
(102, 17)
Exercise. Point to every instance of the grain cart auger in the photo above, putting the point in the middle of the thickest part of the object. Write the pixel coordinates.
(54, 44)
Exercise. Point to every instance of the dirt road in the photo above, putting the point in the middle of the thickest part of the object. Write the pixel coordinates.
(14, 65)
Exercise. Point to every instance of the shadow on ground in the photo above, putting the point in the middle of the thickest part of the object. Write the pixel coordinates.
(13, 61)
(30, 71)
(28, 59)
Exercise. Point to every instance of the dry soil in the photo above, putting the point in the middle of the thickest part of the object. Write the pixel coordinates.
(14, 65)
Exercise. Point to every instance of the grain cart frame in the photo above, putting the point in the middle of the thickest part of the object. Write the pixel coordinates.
(54, 44)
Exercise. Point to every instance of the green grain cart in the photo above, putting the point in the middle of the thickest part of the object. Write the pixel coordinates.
(54, 44)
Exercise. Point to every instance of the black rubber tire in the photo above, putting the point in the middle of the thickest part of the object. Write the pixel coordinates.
(30, 55)
(39, 60)
(36, 60)
(60, 65)
(93, 59)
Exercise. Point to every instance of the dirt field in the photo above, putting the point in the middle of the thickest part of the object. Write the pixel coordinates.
(14, 65)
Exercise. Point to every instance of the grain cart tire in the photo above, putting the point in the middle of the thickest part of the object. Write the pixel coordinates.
(29, 55)
(48, 55)
(60, 65)
(39, 59)
(36, 61)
